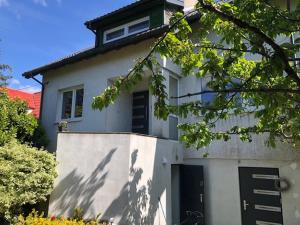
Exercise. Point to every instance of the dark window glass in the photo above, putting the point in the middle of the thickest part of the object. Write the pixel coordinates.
(139, 26)
(208, 98)
(173, 120)
(115, 34)
(79, 103)
(173, 91)
(173, 130)
(67, 105)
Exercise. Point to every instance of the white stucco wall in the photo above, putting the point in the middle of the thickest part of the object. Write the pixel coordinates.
(222, 194)
(94, 75)
(122, 176)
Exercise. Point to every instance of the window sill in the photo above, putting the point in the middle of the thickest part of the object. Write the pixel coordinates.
(73, 120)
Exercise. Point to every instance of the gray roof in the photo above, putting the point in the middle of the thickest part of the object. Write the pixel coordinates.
(137, 5)
(92, 52)
(95, 51)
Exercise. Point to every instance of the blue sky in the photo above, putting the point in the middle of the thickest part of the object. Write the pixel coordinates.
(36, 32)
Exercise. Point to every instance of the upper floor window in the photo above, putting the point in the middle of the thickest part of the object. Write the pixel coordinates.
(125, 30)
(208, 99)
(115, 34)
(173, 119)
(72, 103)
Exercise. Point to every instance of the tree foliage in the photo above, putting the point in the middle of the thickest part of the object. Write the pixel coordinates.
(251, 64)
(26, 177)
(3, 74)
(15, 122)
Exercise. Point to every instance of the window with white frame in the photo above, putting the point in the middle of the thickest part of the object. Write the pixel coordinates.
(173, 119)
(72, 103)
(208, 99)
(128, 29)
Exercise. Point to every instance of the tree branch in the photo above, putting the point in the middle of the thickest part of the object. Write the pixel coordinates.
(244, 25)
(231, 49)
(280, 14)
(238, 90)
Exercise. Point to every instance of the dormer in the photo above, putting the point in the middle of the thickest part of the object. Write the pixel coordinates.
(133, 19)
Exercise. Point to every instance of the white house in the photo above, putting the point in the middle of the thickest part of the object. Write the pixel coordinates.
(127, 165)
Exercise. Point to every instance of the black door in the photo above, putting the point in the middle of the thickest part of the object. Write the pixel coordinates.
(140, 112)
(191, 195)
(260, 199)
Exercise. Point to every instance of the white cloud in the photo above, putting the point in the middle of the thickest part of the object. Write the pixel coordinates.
(16, 84)
(14, 81)
(3, 3)
(41, 2)
(31, 89)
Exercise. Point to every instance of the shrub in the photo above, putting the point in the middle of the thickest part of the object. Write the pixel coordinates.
(38, 219)
(39, 138)
(15, 122)
(26, 177)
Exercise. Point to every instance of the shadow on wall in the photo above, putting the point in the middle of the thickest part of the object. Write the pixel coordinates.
(143, 200)
(86, 188)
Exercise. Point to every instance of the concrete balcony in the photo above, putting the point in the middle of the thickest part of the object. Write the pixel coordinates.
(123, 176)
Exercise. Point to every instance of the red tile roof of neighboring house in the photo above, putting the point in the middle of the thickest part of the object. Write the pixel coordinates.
(33, 99)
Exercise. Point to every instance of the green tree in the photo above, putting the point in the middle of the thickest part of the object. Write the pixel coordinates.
(252, 65)
(26, 173)
(3, 76)
(15, 122)
(26, 177)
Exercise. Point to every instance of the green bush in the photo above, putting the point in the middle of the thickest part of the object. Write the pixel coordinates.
(39, 138)
(26, 177)
(15, 122)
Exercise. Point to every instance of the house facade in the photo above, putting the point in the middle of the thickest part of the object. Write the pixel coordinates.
(129, 166)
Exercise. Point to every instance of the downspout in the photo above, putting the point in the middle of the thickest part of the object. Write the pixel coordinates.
(89, 26)
(42, 97)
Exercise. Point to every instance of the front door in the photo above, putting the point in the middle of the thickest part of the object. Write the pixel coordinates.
(191, 195)
(260, 199)
(140, 112)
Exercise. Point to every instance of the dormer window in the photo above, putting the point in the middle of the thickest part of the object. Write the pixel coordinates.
(128, 29)
(113, 35)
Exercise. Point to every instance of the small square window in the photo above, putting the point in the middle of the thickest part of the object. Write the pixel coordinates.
(173, 119)
(115, 34)
(138, 27)
(126, 30)
(173, 91)
(67, 105)
(173, 123)
(79, 103)
(72, 103)
(209, 98)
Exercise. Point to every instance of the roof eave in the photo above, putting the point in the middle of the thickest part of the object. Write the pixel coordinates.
(96, 51)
